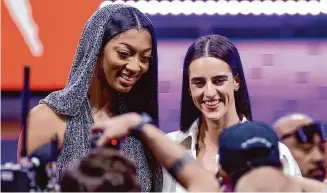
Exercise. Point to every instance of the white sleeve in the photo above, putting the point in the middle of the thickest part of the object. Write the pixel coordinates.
(167, 180)
(169, 183)
(290, 166)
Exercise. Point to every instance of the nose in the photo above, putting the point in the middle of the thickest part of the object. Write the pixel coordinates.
(317, 154)
(210, 90)
(134, 66)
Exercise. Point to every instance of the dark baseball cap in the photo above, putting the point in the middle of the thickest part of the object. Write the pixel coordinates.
(248, 145)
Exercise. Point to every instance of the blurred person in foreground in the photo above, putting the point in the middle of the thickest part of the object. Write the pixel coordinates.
(241, 148)
(244, 147)
(306, 140)
(269, 179)
(174, 157)
(102, 170)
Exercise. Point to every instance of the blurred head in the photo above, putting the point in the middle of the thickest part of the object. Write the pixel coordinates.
(245, 146)
(128, 61)
(309, 155)
(213, 81)
(102, 170)
(266, 179)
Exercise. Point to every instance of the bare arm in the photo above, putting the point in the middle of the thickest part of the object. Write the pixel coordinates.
(310, 185)
(191, 175)
(166, 152)
(42, 126)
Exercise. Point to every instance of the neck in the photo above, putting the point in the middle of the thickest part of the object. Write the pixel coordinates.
(100, 98)
(210, 130)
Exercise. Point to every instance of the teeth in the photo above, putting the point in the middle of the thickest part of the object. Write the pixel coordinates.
(211, 103)
(127, 77)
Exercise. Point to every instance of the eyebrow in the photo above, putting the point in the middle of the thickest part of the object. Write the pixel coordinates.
(131, 47)
(220, 76)
(215, 77)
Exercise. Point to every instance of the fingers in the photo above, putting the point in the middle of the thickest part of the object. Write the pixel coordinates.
(115, 128)
(110, 130)
(100, 126)
(110, 134)
(102, 141)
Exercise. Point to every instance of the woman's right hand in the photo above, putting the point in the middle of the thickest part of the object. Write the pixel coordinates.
(116, 127)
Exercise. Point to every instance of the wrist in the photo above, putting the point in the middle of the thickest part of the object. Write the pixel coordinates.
(133, 120)
(141, 120)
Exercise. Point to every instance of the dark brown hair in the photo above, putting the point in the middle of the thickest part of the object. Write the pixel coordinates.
(102, 170)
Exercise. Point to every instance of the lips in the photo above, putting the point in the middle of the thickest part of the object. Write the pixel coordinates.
(127, 80)
(211, 105)
(318, 173)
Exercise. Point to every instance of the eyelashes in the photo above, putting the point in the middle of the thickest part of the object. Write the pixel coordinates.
(125, 55)
(201, 83)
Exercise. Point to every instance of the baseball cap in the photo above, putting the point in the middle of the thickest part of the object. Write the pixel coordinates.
(248, 145)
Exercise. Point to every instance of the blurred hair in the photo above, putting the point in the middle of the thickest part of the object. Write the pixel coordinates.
(102, 170)
(223, 49)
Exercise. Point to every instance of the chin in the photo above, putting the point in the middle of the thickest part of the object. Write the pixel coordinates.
(213, 116)
(123, 89)
(119, 87)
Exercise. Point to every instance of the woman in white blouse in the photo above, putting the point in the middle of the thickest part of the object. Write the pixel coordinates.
(214, 97)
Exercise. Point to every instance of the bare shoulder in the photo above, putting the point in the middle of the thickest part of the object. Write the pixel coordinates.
(46, 122)
(43, 113)
(43, 125)
(310, 185)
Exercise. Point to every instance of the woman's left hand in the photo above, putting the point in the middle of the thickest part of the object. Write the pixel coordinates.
(116, 127)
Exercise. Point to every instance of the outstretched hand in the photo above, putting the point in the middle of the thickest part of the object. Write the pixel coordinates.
(116, 127)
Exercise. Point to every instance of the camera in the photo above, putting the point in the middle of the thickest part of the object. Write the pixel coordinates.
(15, 178)
(114, 143)
(29, 175)
(35, 173)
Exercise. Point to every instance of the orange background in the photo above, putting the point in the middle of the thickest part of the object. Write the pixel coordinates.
(60, 25)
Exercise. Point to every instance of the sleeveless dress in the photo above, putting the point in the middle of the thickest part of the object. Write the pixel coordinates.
(73, 102)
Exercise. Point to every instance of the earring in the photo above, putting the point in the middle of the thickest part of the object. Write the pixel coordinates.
(236, 89)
